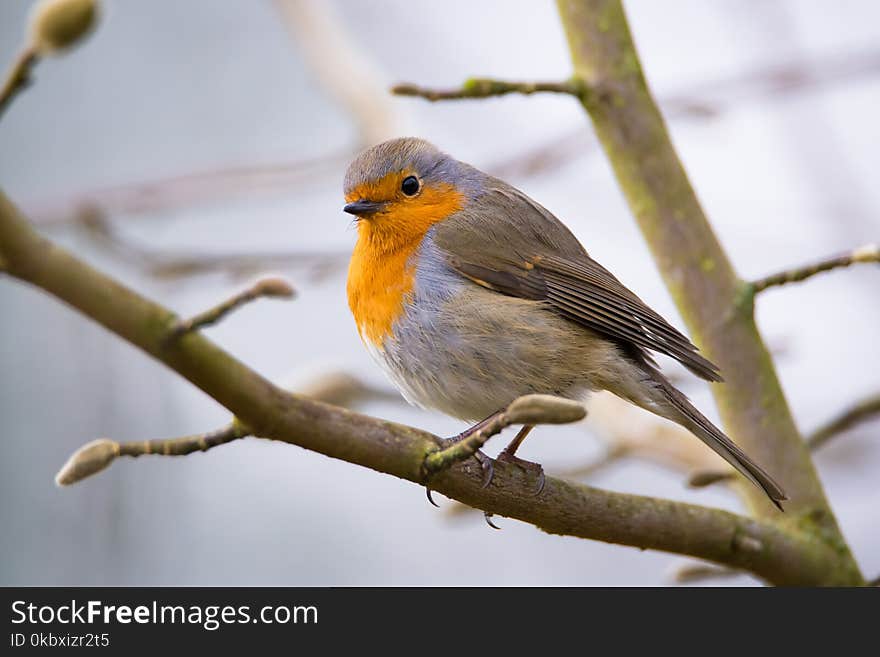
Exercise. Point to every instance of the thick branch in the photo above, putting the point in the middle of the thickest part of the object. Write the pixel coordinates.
(696, 270)
(778, 555)
(867, 253)
(484, 88)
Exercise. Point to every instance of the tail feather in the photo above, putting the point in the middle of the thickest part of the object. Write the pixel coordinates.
(689, 417)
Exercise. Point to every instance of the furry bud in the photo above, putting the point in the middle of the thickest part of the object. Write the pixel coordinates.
(87, 460)
(57, 25)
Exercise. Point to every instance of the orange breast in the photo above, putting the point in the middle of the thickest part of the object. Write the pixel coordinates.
(381, 275)
(378, 285)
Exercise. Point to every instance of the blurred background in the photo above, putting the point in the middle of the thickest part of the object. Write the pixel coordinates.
(187, 148)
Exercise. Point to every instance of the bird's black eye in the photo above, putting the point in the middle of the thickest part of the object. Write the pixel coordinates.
(410, 186)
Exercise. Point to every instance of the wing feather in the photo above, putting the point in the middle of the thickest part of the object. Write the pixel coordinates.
(512, 245)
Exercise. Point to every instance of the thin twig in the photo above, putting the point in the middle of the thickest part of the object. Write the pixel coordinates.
(700, 572)
(485, 88)
(18, 77)
(162, 195)
(337, 388)
(164, 264)
(526, 410)
(709, 100)
(612, 455)
(867, 253)
(270, 287)
(99, 454)
(704, 478)
(861, 411)
(342, 68)
(704, 100)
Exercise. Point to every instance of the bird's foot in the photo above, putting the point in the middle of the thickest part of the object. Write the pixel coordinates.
(526, 466)
(486, 465)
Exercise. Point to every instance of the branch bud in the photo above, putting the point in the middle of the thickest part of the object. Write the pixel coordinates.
(87, 460)
(544, 409)
(57, 25)
(274, 286)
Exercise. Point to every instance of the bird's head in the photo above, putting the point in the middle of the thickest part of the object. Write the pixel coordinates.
(402, 187)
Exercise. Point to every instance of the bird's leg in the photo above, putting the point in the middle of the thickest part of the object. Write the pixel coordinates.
(508, 455)
(484, 461)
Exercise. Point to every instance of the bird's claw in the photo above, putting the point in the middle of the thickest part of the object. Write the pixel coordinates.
(431, 499)
(525, 466)
(488, 468)
(488, 517)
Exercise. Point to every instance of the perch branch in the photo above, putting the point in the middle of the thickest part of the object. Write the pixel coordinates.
(97, 455)
(867, 253)
(271, 287)
(485, 88)
(781, 555)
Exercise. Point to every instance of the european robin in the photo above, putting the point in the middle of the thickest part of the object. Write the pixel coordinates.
(469, 294)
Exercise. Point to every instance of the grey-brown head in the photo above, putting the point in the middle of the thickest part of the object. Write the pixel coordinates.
(396, 173)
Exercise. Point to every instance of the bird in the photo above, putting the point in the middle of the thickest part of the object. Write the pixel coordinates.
(469, 294)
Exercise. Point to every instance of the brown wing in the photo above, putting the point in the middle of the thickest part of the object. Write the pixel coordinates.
(528, 253)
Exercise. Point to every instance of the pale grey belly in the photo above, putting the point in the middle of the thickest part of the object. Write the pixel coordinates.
(469, 351)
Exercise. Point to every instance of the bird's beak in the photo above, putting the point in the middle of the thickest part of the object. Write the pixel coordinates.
(363, 207)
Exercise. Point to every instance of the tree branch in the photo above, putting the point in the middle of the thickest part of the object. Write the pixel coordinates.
(54, 27)
(314, 265)
(485, 88)
(97, 455)
(861, 411)
(529, 409)
(712, 98)
(332, 54)
(696, 269)
(18, 77)
(265, 287)
(778, 555)
(867, 253)
(333, 388)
